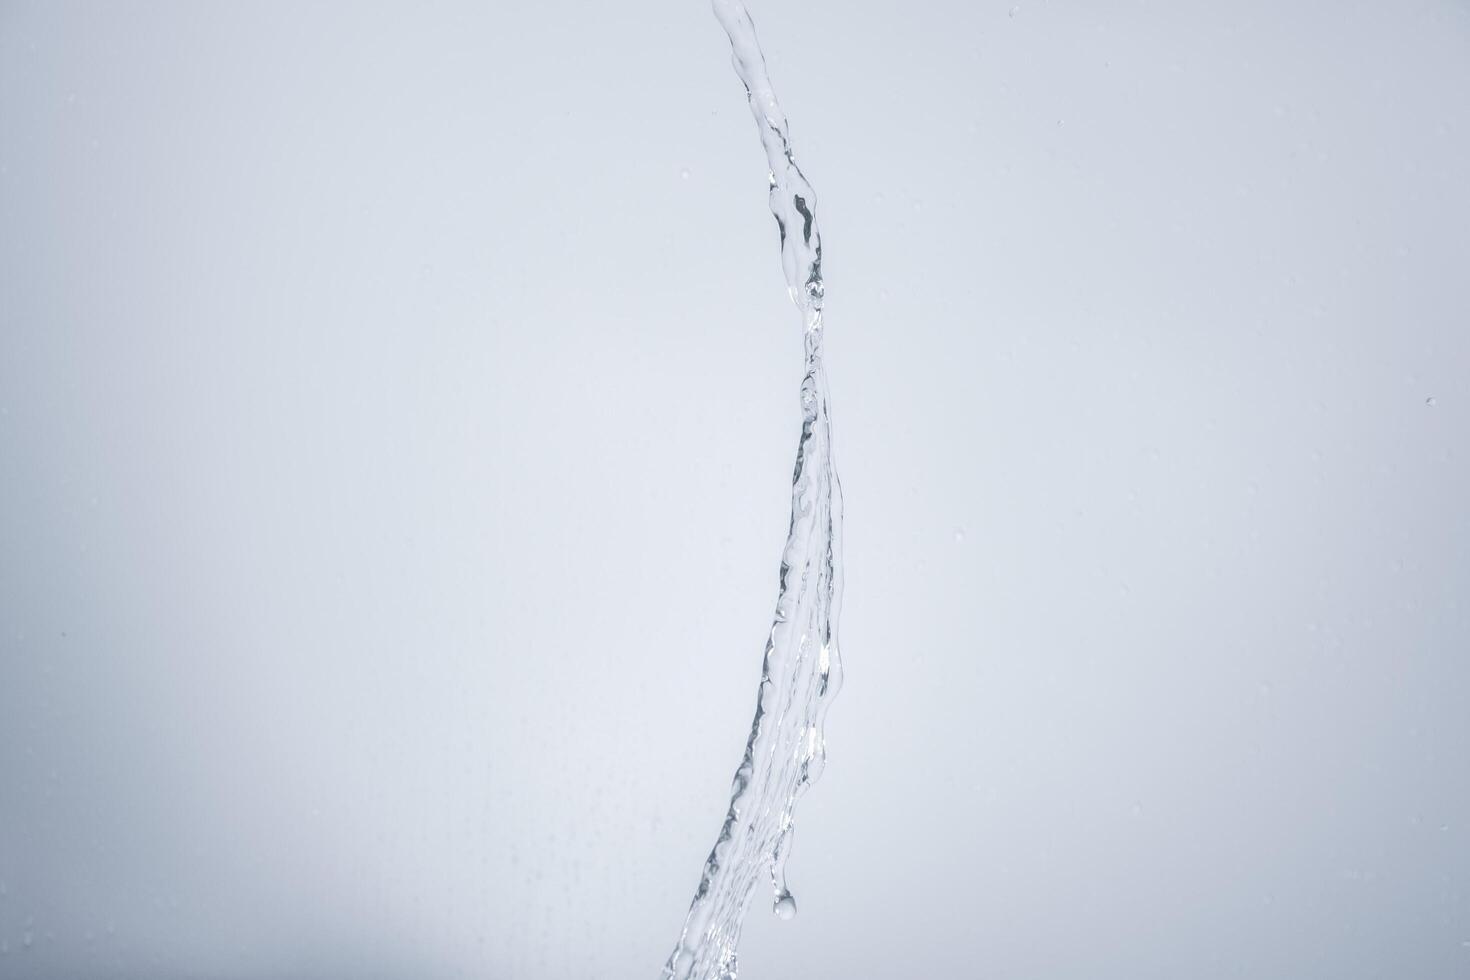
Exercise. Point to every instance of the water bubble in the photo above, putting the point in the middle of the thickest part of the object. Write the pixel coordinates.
(959, 535)
(1013, 11)
(1431, 401)
(785, 907)
(684, 174)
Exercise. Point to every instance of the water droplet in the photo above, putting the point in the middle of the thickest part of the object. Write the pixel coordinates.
(785, 907)
(684, 174)
(27, 939)
(1431, 401)
(959, 535)
(1013, 11)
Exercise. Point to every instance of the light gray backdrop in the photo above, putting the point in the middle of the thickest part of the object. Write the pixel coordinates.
(396, 417)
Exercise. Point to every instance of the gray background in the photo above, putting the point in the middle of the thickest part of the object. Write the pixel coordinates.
(396, 416)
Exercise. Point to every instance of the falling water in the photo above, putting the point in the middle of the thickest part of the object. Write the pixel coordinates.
(801, 671)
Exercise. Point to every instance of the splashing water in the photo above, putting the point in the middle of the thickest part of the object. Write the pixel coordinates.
(801, 672)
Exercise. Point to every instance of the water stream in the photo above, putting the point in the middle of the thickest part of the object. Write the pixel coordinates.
(801, 671)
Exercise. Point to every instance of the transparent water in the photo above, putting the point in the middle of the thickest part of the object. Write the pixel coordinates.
(801, 672)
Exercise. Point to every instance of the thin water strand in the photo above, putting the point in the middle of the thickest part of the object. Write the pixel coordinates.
(801, 670)
(793, 201)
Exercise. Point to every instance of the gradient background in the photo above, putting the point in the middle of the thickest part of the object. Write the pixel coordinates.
(397, 407)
